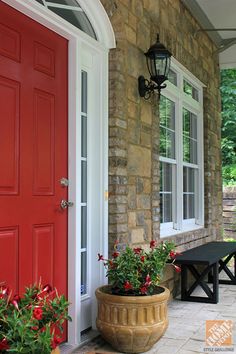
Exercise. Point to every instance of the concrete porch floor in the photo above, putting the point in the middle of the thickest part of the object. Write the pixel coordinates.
(186, 331)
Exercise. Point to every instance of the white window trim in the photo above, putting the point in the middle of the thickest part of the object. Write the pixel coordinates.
(182, 100)
(77, 39)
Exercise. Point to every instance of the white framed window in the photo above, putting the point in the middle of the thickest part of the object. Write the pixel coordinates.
(181, 153)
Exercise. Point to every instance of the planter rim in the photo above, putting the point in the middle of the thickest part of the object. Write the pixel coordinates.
(142, 299)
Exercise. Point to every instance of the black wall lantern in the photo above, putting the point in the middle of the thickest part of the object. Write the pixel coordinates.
(158, 63)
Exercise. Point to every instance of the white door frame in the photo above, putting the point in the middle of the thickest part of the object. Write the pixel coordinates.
(78, 39)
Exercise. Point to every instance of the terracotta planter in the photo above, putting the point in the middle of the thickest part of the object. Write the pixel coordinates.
(132, 324)
(56, 351)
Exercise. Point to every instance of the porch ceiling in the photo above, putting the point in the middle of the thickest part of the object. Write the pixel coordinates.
(215, 14)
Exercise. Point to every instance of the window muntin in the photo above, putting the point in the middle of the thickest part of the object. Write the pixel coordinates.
(189, 136)
(166, 192)
(167, 128)
(71, 11)
(189, 182)
(172, 77)
(190, 90)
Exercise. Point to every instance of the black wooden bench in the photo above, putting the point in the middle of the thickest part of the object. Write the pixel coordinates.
(214, 257)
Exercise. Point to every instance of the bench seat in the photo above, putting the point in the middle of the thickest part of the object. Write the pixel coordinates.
(214, 257)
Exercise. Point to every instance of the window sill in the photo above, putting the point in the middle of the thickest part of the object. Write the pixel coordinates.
(169, 231)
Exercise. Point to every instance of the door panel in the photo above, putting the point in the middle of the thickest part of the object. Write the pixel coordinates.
(9, 143)
(33, 159)
(44, 141)
(43, 238)
(9, 246)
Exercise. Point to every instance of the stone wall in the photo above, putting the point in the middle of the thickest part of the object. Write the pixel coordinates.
(229, 212)
(134, 123)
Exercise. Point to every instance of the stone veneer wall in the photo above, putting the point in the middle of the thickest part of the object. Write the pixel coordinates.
(134, 123)
(229, 212)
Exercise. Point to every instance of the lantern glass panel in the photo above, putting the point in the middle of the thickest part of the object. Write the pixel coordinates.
(160, 63)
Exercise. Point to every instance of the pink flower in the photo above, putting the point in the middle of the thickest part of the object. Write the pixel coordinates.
(137, 250)
(100, 257)
(38, 313)
(4, 290)
(148, 280)
(152, 244)
(47, 288)
(177, 268)
(45, 292)
(127, 285)
(15, 301)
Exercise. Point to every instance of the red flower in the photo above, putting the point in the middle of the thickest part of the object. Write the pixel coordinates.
(142, 258)
(127, 285)
(100, 257)
(143, 289)
(115, 254)
(177, 268)
(4, 344)
(153, 244)
(55, 342)
(38, 313)
(172, 254)
(137, 250)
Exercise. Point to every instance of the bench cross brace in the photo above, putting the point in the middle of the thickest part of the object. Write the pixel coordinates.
(223, 266)
(212, 295)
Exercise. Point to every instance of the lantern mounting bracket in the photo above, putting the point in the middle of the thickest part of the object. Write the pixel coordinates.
(146, 88)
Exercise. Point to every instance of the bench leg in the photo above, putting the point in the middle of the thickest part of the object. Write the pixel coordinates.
(184, 282)
(215, 270)
(212, 295)
(223, 266)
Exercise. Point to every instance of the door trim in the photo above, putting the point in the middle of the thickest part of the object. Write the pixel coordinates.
(77, 39)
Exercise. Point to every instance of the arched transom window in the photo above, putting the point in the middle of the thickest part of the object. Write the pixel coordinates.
(72, 12)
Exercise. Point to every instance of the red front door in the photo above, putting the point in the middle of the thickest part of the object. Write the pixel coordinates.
(33, 153)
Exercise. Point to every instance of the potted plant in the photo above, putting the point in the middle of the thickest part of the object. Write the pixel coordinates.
(132, 310)
(33, 322)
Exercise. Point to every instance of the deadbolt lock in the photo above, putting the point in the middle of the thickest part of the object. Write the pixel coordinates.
(65, 204)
